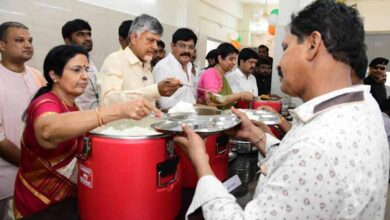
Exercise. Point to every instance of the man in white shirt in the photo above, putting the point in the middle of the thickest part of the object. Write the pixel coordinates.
(178, 64)
(334, 161)
(241, 79)
(18, 84)
(78, 32)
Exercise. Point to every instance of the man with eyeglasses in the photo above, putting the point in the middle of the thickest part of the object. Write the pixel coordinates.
(18, 84)
(178, 64)
(377, 78)
(78, 32)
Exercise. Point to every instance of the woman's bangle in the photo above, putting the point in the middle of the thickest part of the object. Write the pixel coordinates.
(259, 139)
(99, 116)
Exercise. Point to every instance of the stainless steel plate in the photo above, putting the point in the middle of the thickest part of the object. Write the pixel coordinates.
(201, 124)
(267, 117)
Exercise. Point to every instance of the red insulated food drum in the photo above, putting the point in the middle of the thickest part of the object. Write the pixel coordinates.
(122, 177)
(217, 149)
(277, 105)
(243, 104)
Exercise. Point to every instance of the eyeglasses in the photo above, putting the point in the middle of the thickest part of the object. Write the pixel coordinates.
(184, 46)
(379, 67)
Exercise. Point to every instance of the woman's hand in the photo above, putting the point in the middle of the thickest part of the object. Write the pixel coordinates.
(194, 147)
(247, 96)
(138, 109)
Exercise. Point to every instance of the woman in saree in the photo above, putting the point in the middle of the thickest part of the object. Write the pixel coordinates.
(213, 80)
(54, 128)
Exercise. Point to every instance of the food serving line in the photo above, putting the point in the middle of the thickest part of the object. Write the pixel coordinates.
(132, 170)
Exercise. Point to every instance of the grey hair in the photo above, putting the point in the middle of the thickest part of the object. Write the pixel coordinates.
(144, 23)
(6, 25)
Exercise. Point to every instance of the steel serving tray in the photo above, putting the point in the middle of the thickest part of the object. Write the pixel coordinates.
(201, 124)
(267, 117)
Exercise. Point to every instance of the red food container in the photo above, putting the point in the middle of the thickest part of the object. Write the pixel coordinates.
(277, 105)
(217, 149)
(243, 104)
(129, 178)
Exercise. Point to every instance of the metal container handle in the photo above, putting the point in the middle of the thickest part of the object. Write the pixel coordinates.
(87, 149)
(161, 185)
(222, 145)
(167, 168)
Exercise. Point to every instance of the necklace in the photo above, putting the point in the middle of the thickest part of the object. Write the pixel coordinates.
(63, 103)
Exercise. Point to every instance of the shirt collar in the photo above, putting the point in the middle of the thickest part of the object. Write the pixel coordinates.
(178, 64)
(241, 74)
(316, 106)
(133, 59)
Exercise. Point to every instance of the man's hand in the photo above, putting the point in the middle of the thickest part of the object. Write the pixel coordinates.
(248, 130)
(168, 86)
(194, 147)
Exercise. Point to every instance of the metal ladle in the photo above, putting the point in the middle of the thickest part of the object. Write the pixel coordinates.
(216, 98)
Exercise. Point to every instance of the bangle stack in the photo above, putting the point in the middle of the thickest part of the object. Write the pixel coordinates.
(259, 139)
(99, 116)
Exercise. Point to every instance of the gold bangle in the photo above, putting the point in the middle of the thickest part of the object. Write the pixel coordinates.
(99, 117)
(260, 139)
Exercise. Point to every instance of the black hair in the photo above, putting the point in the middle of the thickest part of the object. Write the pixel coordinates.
(264, 61)
(341, 28)
(379, 60)
(184, 34)
(360, 64)
(264, 47)
(6, 25)
(246, 54)
(73, 26)
(211, 54)
(124, 29)
(224, 50)
(161, 43)
(55, 61)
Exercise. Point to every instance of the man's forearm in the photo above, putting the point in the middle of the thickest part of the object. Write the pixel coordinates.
(9, 152)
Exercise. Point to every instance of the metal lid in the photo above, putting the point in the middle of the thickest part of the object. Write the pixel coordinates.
(202, 124)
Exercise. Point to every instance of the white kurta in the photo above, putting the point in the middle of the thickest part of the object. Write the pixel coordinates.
(240, 83)
(332, 164)
(170, 67)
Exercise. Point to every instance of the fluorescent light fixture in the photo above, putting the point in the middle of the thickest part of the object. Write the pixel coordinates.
(12, 12)
(51, 6)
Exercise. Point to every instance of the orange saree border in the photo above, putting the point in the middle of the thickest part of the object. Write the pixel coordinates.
(44, 182)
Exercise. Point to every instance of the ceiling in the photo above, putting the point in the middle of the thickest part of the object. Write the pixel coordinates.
(273, 2)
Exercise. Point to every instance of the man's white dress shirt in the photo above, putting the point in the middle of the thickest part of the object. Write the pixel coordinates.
(170, 67)
(332, 164)
(240, 83)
